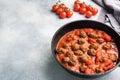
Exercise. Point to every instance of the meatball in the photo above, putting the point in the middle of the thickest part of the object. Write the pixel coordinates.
(99, 70)
(94, 46)
(82, 68)
(83, 59)
(65, 59)
(81, 41)
(70, 53)
(71, 37)
(102, 59)
(100, 40)
(83, 48)
(91, 52)
(72, 62)
(75, 47)
(93, 35)
(61, 50)
(78, 52)
(83, 34)
(106, 46)
(74, 37)
(113, 57)
(66, 45)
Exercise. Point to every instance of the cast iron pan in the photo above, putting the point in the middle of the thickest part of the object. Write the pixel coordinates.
(85, 24)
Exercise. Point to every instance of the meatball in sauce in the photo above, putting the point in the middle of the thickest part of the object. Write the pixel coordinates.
(87, 50)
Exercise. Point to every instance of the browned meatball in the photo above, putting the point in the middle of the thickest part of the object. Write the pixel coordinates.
(83, 59)
(72, 63)
(74, 37)
(106, 46)
(91, 52)
(93, 35)
(83, 34)
(65, 59)
(103, 58)
(66, 45)
(83, 48)
(78, 52)
(94, 46)
(99, 70)
(81, 41)
(100, 40)
(75, 47)
(61, 50)
(82, 68)
(113, 57)
(70, 53)
(70, 37)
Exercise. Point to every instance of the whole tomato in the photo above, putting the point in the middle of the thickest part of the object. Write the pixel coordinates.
(66, 9)
(94, 11)
(76, 7)
(81, 4)
(89, 62)
(88, 14)
(63, 15)
(55, 7)
(88, 71)
(69, 14)
(59, 10)
(77, 2)
(82, 10)
(88, 8)
(62, 5)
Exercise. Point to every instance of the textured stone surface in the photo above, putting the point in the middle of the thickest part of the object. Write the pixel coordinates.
(26, 30)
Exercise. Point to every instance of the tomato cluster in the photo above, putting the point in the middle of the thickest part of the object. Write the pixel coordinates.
(83, 8)
(62, 10)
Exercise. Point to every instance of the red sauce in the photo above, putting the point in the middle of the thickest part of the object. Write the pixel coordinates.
(87, 51)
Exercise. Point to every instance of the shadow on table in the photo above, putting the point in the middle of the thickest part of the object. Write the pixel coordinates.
(55, 72)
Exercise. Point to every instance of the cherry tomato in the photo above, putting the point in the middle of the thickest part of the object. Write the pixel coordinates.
(60, 56)
(76, 2)
(107, 37)
(89, 62)
(88, 71)
(59, 10)
(88, 8)
(77, 33)
(94, 11)
(62, 10)
(62, 5)
(82, 10)
(98, 56)
(108, 64)
(66, 9)
(81, 5)
(76, 7)
(88, 14)
(89, 30)
(63, 15)
(91, 40)
(55, 7)
(69, 14)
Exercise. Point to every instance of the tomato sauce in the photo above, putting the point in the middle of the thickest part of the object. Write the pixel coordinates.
(87, 51)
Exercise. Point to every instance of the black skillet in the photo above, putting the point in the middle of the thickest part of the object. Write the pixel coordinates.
(85, 24)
